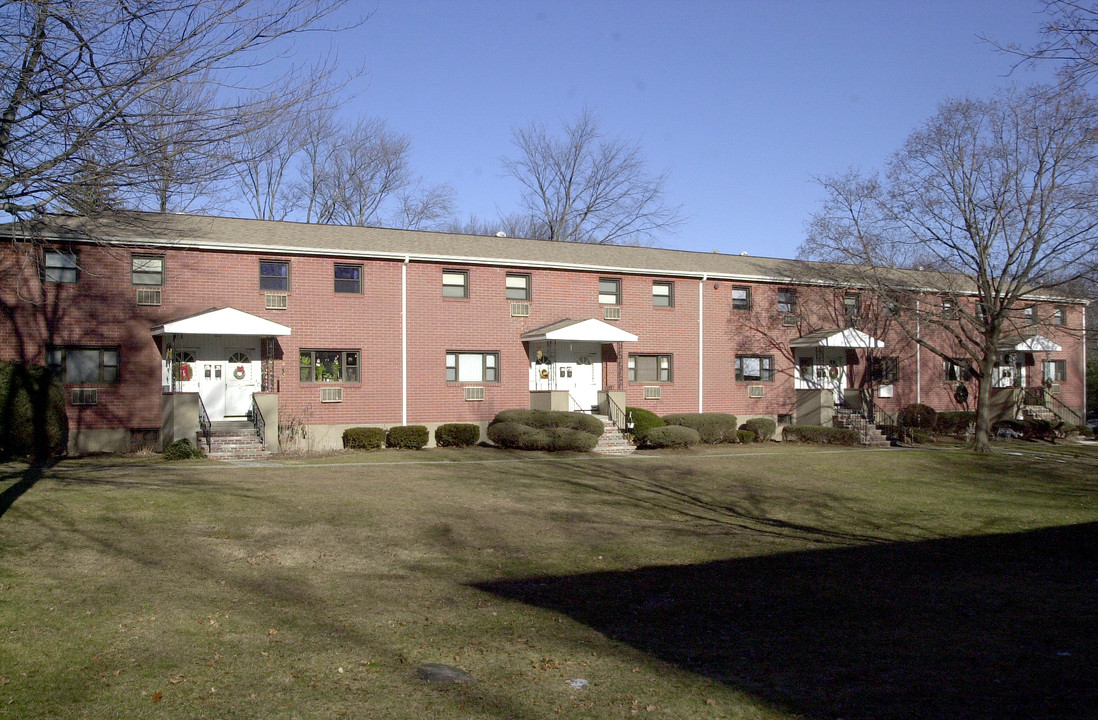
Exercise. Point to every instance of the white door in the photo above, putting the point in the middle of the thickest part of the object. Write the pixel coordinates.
(824, 369)
(226, 373)
(241, 380)
(578, 369)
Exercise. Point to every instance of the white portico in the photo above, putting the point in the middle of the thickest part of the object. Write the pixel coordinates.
(567, 356)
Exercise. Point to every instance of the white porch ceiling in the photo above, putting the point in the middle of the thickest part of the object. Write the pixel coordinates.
(222, 321)
(590, 330)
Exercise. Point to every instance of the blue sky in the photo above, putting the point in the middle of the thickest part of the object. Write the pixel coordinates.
(744, 103)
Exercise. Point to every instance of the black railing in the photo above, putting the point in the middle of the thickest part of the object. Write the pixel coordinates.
(617, 414)
(1041, 396)
(204, 424)
(256, 416)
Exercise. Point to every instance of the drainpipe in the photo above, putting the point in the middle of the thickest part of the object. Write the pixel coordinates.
(404, 340)
(918, 356)
(1084, 408)
(701, 343)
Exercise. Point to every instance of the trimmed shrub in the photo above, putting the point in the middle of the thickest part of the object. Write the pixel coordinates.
(643, 421)
(553, 419)
(33, 422)
(954, 422)
(745, 436)
(182, 449)
(407, 437)
(515, 436)
(762, 428)
(920, 436)
(918, 416)
(457, 435)
(713, 428)
(817, 435)
(363, 438)
(671, 436)
(560, 439)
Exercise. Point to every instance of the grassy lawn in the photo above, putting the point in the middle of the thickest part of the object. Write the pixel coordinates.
(743, 582)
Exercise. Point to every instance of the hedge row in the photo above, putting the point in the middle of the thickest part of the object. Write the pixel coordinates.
(408, 437)
(670, 436)
(457, 435)
(819, 435)
(713, 428)
(516, 436)
(551, 419)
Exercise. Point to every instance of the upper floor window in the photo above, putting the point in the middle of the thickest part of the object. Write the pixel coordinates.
(1031, 314)
(884, 370)
(1059, 315)
(147, 270)
(329, 366)
(348, 278)
(274, 275)
(60, 266)
(85, 365)
(852, 308)
(517, 286)
(787, 300)
(1055, 371)
(650, 368)
(472, 367)
(663, 294)
(949, 309)
(610, 291)
(755, 368)
(741, 298)
(455, 284)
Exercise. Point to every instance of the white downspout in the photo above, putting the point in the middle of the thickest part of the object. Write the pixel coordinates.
(918, 356)
(701, 343)
(1084, 408)
(404, 340)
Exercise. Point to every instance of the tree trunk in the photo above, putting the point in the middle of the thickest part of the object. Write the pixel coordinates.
(981, 442)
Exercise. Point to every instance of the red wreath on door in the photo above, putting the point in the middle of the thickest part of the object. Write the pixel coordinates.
(185, 372)
(238, 373)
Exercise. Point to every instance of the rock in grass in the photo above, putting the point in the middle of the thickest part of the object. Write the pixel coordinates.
(447, 674)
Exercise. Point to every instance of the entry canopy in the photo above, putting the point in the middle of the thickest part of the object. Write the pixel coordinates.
(1030, 343)
(222, 321)
(837, 338)
(581, 331)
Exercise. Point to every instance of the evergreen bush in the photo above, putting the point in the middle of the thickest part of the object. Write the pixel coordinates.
(713, 428)
(954, 422)
(457, 435)
(33, 420)
(407, 437)
(363, 438)
(182, 449)
(744, 435)
(918, 416)
(643, 421)
(763, 428)
(671, 436)
(818, 435)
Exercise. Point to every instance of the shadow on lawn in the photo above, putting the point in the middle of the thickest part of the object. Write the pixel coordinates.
(1001, 626)
(24, 481)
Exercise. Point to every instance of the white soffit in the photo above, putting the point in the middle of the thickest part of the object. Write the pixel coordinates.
(581, 331)
(848, 338)
(1033, 343)
(222, 321)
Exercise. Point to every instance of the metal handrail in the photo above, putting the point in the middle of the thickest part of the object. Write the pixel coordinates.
(617, 415)
(204, 424)
(1060, 406)
(256, 416)
(572, 402)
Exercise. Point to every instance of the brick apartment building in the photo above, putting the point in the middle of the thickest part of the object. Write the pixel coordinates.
(317, 328)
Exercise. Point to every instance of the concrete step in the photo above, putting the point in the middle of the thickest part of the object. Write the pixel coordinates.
(233, 443)
(613, 441)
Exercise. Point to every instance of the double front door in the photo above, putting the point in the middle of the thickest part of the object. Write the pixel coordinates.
(225, 371)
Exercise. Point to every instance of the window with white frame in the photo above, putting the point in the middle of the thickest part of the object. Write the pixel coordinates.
(60, 266)
(329, 366)
(472, 366)
(755, 368)
(741, 298)
(663, 294)
(455, 284)
(147, 270)
(1055, 371)
(610, 291)
(79, 365)
(650, 368)
(517, 286)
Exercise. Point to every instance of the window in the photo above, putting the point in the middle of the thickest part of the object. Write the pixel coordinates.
(1059, 315)
(329, 366)
(472, 367)
(650, 368)
(1055, 371)
(755, 368)
(610, 291)
(60, 267)
(1031, 314)
(741, 298)
(663, 294)
(852, 306)
(956, 370)
(949, 309)
(787, 300)
(84, 365)
(518, 287)
(455, 284)
(274, 276)
(348, 279)
(147, 270)
(883, 370)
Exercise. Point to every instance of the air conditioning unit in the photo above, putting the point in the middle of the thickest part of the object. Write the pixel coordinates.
(653, 392)
(520, 309)
(755, 391)
(276, 301)
(148, 296)
(85, 396)
(611, 313)
(331, 394)
(1054, 389)
(474, 393)
(789, 320)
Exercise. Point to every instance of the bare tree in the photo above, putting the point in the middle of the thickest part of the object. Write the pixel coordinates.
(1069, 37)
(85, 84)
(986, 205)
(585, 187)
